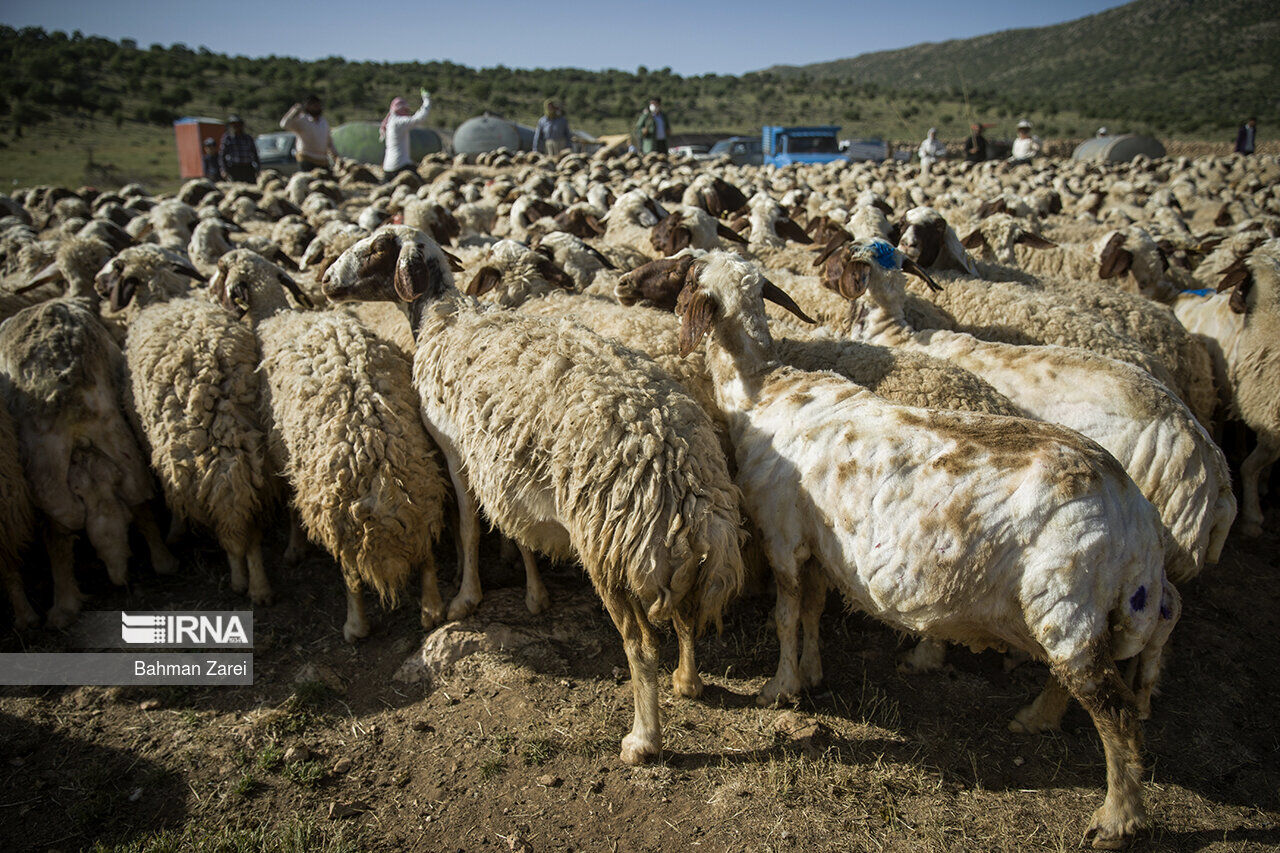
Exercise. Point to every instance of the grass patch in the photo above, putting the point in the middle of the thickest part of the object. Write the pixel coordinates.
(305, 773)
(268, 757)
(492, 768)
(245, 786)
(537, 751)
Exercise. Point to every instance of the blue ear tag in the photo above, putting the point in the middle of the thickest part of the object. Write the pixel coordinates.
(885, 254)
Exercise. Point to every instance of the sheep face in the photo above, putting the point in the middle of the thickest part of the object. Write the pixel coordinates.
(397, 264)
(139, 269)
(247, 283)
(722, 286)
(850, 268)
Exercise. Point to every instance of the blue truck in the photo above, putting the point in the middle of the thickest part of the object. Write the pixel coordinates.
(786, 145)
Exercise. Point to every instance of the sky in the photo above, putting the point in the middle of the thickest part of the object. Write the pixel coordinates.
(691, 37)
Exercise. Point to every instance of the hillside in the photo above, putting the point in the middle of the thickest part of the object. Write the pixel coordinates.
(77, 109)
(1185, 65)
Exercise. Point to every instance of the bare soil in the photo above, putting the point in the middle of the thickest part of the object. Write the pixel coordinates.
(515, 747)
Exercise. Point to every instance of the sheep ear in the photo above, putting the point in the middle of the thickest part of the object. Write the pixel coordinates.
(830, 248)
(188, 271)
(48, 275)
(1114, 259)
(696, 312)
(417, 274)
(122, 292)
(485, 279)
(656, 209)
(778, 296)
(552, 272)
(910, 266)
(883, 206)
(1237, 301)
(726, 233)
(292, 286)
(1239, 279)
(608, 264)
(974, 240)
(594, 224)
(987, 208)
(454, 263)
(1035, 241)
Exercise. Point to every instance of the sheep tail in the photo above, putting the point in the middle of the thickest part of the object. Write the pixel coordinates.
(706, 548)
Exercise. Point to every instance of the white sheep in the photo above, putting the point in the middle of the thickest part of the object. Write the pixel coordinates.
(1242, 327)
(993, 532)
(574, 447)
(366, 482)
(61, 376)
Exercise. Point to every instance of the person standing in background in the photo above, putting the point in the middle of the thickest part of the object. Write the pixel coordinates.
(931, 151)
(1026, 146)
(238, 155)
(975, 147)
(553, 130)
(315, 142)
(394, 131)
(1245, 136)
(212, 169)
(652, 131)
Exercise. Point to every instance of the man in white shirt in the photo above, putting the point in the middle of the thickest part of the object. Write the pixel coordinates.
(931, 151)
(1026, 146)
(394, 131)
(315, 142)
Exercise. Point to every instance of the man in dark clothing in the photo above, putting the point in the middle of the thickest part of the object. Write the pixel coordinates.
(238, 154)
(975, 147)
(1245, 136)
(212, 169)
(651, 133)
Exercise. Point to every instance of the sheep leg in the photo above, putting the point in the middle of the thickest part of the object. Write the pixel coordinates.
(357, 624)
(1152, 655)
(784, 685)
(1099, 688)
(685, 681)
(177, 529)
(162, 560)
(60, 542)
(1267, 452)
(259, 586)
(469, 592)
(107, 527)
(1045, 713)
(24, 616)
(928, 656)
(297, 547)
(640, 642)
(239, 571)
(813, 598)
(430, 603)
(535, 592)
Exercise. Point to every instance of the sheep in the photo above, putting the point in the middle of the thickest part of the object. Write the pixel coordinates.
(60, 374)
(195, 393)
(1000, 532)
(16, 523)
(581, 261)
(210, 240)
(574, 446)
(1241, 326)
(630, 221)
(1153, 435)
(166, 274)
(714, 195)
(344, 430)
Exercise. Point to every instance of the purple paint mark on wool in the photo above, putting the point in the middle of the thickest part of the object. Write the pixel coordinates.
(1139, 599)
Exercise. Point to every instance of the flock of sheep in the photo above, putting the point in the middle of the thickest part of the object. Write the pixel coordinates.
(981, 403)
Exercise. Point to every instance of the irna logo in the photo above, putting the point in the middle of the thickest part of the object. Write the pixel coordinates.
(161, 629)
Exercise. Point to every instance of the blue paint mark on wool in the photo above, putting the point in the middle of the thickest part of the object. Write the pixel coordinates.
(1202, 292)
(1139, 599)
(885, 255)
(1166, 612)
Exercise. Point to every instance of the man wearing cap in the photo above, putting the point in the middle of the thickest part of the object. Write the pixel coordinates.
(1026, 146)
(238, 155)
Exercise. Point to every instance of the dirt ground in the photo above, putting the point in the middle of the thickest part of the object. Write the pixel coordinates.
(514, 747)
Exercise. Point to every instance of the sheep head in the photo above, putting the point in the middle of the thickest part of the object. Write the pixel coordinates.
(721, 285)
(670, 236)
(720, 197)
(150, 269)
(849, 267)
(247, 283)
(396, 264)
(579, 223)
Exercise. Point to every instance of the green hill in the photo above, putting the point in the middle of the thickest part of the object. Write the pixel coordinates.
(77, 109)
(1183, 65)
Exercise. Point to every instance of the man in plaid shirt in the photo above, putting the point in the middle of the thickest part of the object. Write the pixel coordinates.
(238, 154)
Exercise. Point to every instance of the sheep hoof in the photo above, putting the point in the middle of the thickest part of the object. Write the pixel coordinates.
(537, 602)
(1026, 722)
(1251, 529)
(462, 606)
(775, 694)
(164, 563)
(25, 618)
(353, 631)
(239, 583)
(432, 616)
(263, 597)
(1111, 832)
(638, 750)
(689, 688)
(62, 615)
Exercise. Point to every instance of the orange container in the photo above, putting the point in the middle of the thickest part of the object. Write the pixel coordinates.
(191, 134)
